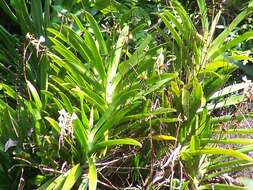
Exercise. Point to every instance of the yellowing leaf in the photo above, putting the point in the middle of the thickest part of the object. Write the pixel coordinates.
(163, 138)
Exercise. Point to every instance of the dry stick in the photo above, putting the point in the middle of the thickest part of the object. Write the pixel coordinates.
(152, 157)
(108, 181)
(105, 184)
(128, 168)
(21, 183)
(244, 118)
(113, 161)
(181, 174)
(25, 60)
(40, 167)
(149, 178)
(49, 170)
(22, 159)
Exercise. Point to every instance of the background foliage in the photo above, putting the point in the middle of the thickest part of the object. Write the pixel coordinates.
(125, 94)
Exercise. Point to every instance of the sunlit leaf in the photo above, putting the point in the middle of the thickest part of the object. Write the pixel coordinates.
(163, 138)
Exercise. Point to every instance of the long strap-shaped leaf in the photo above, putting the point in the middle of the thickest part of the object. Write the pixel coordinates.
(72, 177)
(219, 51)
(220, 39)
(64, 181)
(126, 141)
(97, 33)
(203, 13)
(7, 9)
(220, 151)
(37, 16)
(221, 187)
(168, 24)
(114, 64)
(22, 15)
(92, 176)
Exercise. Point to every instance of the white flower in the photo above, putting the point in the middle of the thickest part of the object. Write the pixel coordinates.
(160, 59)
(62, 112)
(160, 62)
(10, 143)
(61, 119)
(74, 116)
(42, 39)
(244, 78)
(65, 123)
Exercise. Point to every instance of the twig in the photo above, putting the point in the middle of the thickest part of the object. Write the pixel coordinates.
(111, 162)
(21, 183)
(108, 181)
(105, 184)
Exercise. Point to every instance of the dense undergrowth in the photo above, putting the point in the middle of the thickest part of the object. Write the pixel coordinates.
(125, 94)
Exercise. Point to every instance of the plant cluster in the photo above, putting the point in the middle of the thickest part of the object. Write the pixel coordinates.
(124, 95)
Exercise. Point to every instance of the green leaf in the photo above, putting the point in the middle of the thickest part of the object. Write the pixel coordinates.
(221, 38)
(234, 131)
(7, 9)
(216, 64)
(186, 101)
(195, 143)
(114, 64)
(171, 29)
(135, 59)
(92, 176)
(146, 115)
(84, 184)
(8, 90)
(74, 62)
(22, 15)
(109, 6)
(229, 170)
(47, 12)
(214, 151)
(203, 13)
(72, 177)
(196, 96)
(107, 143)
(56, 184)
(229, 45)
(188, 27)
(64, 181)
(98, 62)
(230, 89)
(232, 100)
(35, 95)
(221, 187)
(214, 85)
(37, 16)
(97, 33)
(91, 97)
(174, 20)
(213, 27)
(226, 164)
(54, 124)
(81, 135)
(241, 141)
(67, 103)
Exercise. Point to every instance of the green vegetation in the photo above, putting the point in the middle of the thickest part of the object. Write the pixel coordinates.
(125, 94)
